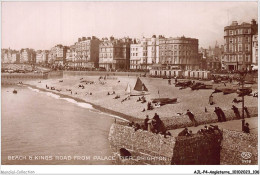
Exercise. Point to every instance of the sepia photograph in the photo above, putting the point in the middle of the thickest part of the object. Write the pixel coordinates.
(130, 83)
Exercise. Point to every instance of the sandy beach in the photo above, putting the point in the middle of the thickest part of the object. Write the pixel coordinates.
(195, 101)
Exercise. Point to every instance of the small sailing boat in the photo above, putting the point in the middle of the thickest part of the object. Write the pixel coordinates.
(15, 91)
(139, 89)
(128, 89)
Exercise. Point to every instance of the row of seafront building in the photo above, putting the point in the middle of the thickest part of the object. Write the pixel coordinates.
(240, 49)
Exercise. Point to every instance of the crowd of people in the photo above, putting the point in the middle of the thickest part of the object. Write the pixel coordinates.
(154, 125)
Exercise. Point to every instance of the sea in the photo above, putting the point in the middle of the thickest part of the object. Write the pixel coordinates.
(42, 128)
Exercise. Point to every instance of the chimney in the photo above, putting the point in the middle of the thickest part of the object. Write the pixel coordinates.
(83, 38)
(253, 22)
(234, 23)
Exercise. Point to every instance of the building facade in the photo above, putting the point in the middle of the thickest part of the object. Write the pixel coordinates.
(238, 45)
(57, 55)
(27, 56)
(41, 56)
(179, 52)
(87, 50)
(114, 53)
(71, 57)
(144, 53)
(10, 56)
(255, 50)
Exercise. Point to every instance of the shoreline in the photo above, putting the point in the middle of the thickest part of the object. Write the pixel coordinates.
(95, 106)
(131, 110)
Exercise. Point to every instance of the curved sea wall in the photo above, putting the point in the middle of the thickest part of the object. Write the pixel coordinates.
(203, 118)
(140, 147)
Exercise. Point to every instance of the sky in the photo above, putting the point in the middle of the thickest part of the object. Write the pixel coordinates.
(42, 25)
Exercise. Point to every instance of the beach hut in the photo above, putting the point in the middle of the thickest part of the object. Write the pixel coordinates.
(201, 74)
(187, 73)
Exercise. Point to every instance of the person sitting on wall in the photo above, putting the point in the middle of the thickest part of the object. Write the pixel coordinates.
(139, 99)
(222, 114)
(146, 122)
(189, 133)
(137, 126)
(246, 128)
(184, 132)
(218, 114)
(131, 124)
(108, 93)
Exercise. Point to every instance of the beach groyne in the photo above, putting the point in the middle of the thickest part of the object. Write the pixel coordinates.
(141, 147)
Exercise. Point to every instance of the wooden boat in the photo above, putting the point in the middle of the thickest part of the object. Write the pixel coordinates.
(183, 84)
(244, 91)
(198, 86)
(250, 82)
(15, 91)
(228, 91)
(164, 101)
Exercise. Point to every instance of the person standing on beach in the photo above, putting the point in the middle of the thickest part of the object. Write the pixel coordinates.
(192, 118)
(247, 112)
(211, 99)
(236, 111)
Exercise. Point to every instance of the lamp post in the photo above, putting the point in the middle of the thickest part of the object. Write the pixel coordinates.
(242, 80)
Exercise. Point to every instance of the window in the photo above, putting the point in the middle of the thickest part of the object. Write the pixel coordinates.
(230, 32)
(247, 58)
(175, 46)
(246, 39)
(239, 47)
(240, 58)
(246, 47)
(239, 39)
(230, 48)
(230, 40)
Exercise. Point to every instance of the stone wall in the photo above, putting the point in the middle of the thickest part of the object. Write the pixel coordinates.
(197, 149)
(211, 149)
(203, 118)
(239, 148)
(154, 148)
